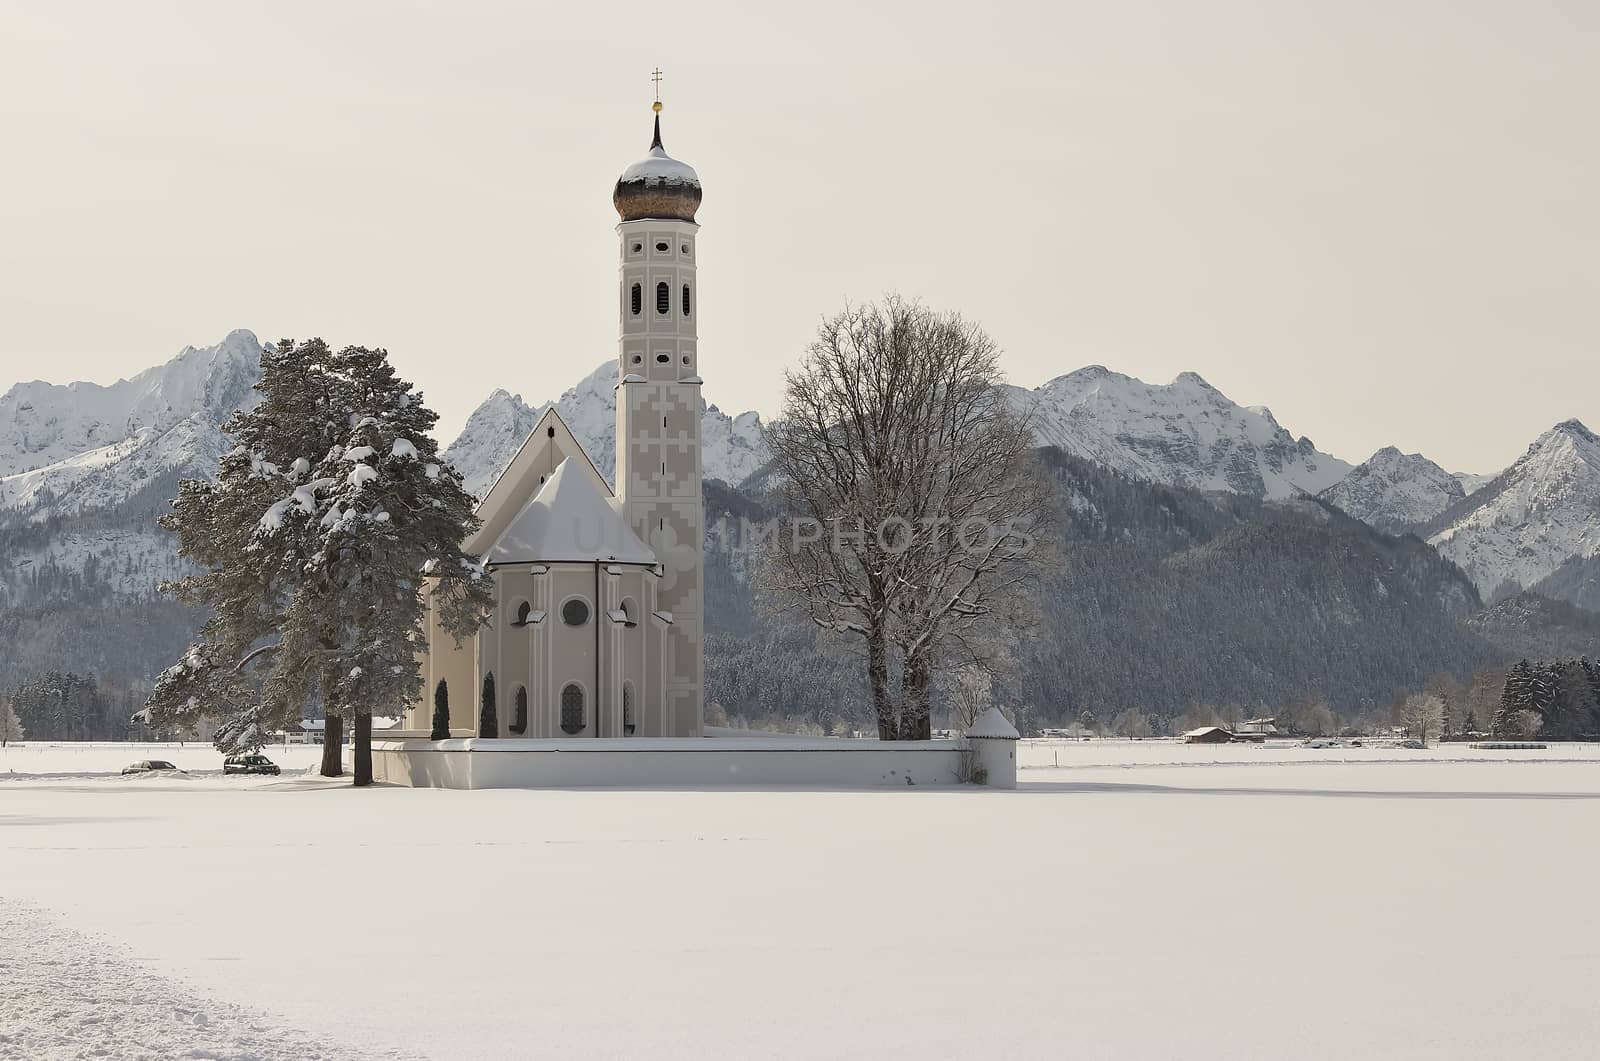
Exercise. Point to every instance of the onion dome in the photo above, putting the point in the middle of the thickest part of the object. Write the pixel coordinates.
(658, 187)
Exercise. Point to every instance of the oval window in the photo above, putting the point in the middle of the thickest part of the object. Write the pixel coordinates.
(575, 612)
(661, 248)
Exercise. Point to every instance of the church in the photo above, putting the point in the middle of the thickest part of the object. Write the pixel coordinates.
(597, 630)
(599, 594)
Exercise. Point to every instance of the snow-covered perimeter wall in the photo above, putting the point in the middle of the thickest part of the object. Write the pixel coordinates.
(688, 762)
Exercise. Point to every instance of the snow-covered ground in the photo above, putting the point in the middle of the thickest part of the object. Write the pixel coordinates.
(1173, 752)
(1429, 908)
(107, 758)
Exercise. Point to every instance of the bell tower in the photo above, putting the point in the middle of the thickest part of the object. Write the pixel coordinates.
(658, 408)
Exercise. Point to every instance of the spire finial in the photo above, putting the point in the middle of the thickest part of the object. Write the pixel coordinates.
(655, 143)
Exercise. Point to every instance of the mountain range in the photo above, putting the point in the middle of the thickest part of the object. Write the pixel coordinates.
(84, 470)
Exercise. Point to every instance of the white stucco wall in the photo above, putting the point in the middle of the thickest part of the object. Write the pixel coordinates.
(659, 762)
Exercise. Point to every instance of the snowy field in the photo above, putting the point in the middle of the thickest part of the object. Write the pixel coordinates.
(1275, 909)
(1173, 752)
(107, 758)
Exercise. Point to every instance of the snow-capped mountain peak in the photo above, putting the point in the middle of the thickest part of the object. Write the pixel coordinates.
(1392, 490)
(84, 445)
(42, 423)
(1533, 517)
(1186, 433)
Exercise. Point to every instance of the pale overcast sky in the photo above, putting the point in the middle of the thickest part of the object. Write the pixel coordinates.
(1378, 218)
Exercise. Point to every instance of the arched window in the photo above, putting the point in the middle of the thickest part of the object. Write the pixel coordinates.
(685, 300)
(638, 299)
(628, 722)
(663, 298)
(523, 611)
(575, 612)
(488, 720)
(519, 723)
(572, 709)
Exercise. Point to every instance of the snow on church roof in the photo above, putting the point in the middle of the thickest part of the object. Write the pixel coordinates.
(569, 520)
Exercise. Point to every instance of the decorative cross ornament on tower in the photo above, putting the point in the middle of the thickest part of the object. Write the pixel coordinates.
(655, 77)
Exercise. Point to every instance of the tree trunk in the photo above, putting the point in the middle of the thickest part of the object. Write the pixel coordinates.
(363, 748)
(333, 747)
(916, 721)
(878, 675)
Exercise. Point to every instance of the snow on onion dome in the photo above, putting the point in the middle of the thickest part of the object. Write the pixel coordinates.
(658, 187)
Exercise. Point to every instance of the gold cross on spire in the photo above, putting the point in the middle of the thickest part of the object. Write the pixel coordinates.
(655, 76)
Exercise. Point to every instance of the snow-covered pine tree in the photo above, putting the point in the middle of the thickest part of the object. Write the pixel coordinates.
(316, 540)
(1516, 697)
(388, 512)
(1573, 706)
(441, 712)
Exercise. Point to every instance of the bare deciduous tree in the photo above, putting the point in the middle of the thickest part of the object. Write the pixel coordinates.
(10, 724)
(921, 513)
(1131, 723)
(1422, 715)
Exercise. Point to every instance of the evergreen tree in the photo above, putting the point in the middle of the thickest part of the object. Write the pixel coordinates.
(488, 722)
(519, 721)
(1573, 707)
(441, 712)
(1517, 696)
(331, 527)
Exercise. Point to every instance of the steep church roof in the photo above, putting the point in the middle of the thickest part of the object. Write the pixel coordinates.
(569, 520)
(549, 443)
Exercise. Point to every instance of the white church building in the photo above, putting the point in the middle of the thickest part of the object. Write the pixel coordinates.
(598, 622)
(590, 671)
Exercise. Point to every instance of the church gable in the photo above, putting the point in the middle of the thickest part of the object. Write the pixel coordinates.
(550, 443)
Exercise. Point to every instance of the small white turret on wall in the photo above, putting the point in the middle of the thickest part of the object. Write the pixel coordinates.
(993, 743)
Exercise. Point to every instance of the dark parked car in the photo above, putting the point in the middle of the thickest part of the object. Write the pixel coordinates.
(249, 764)
(149, 766)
